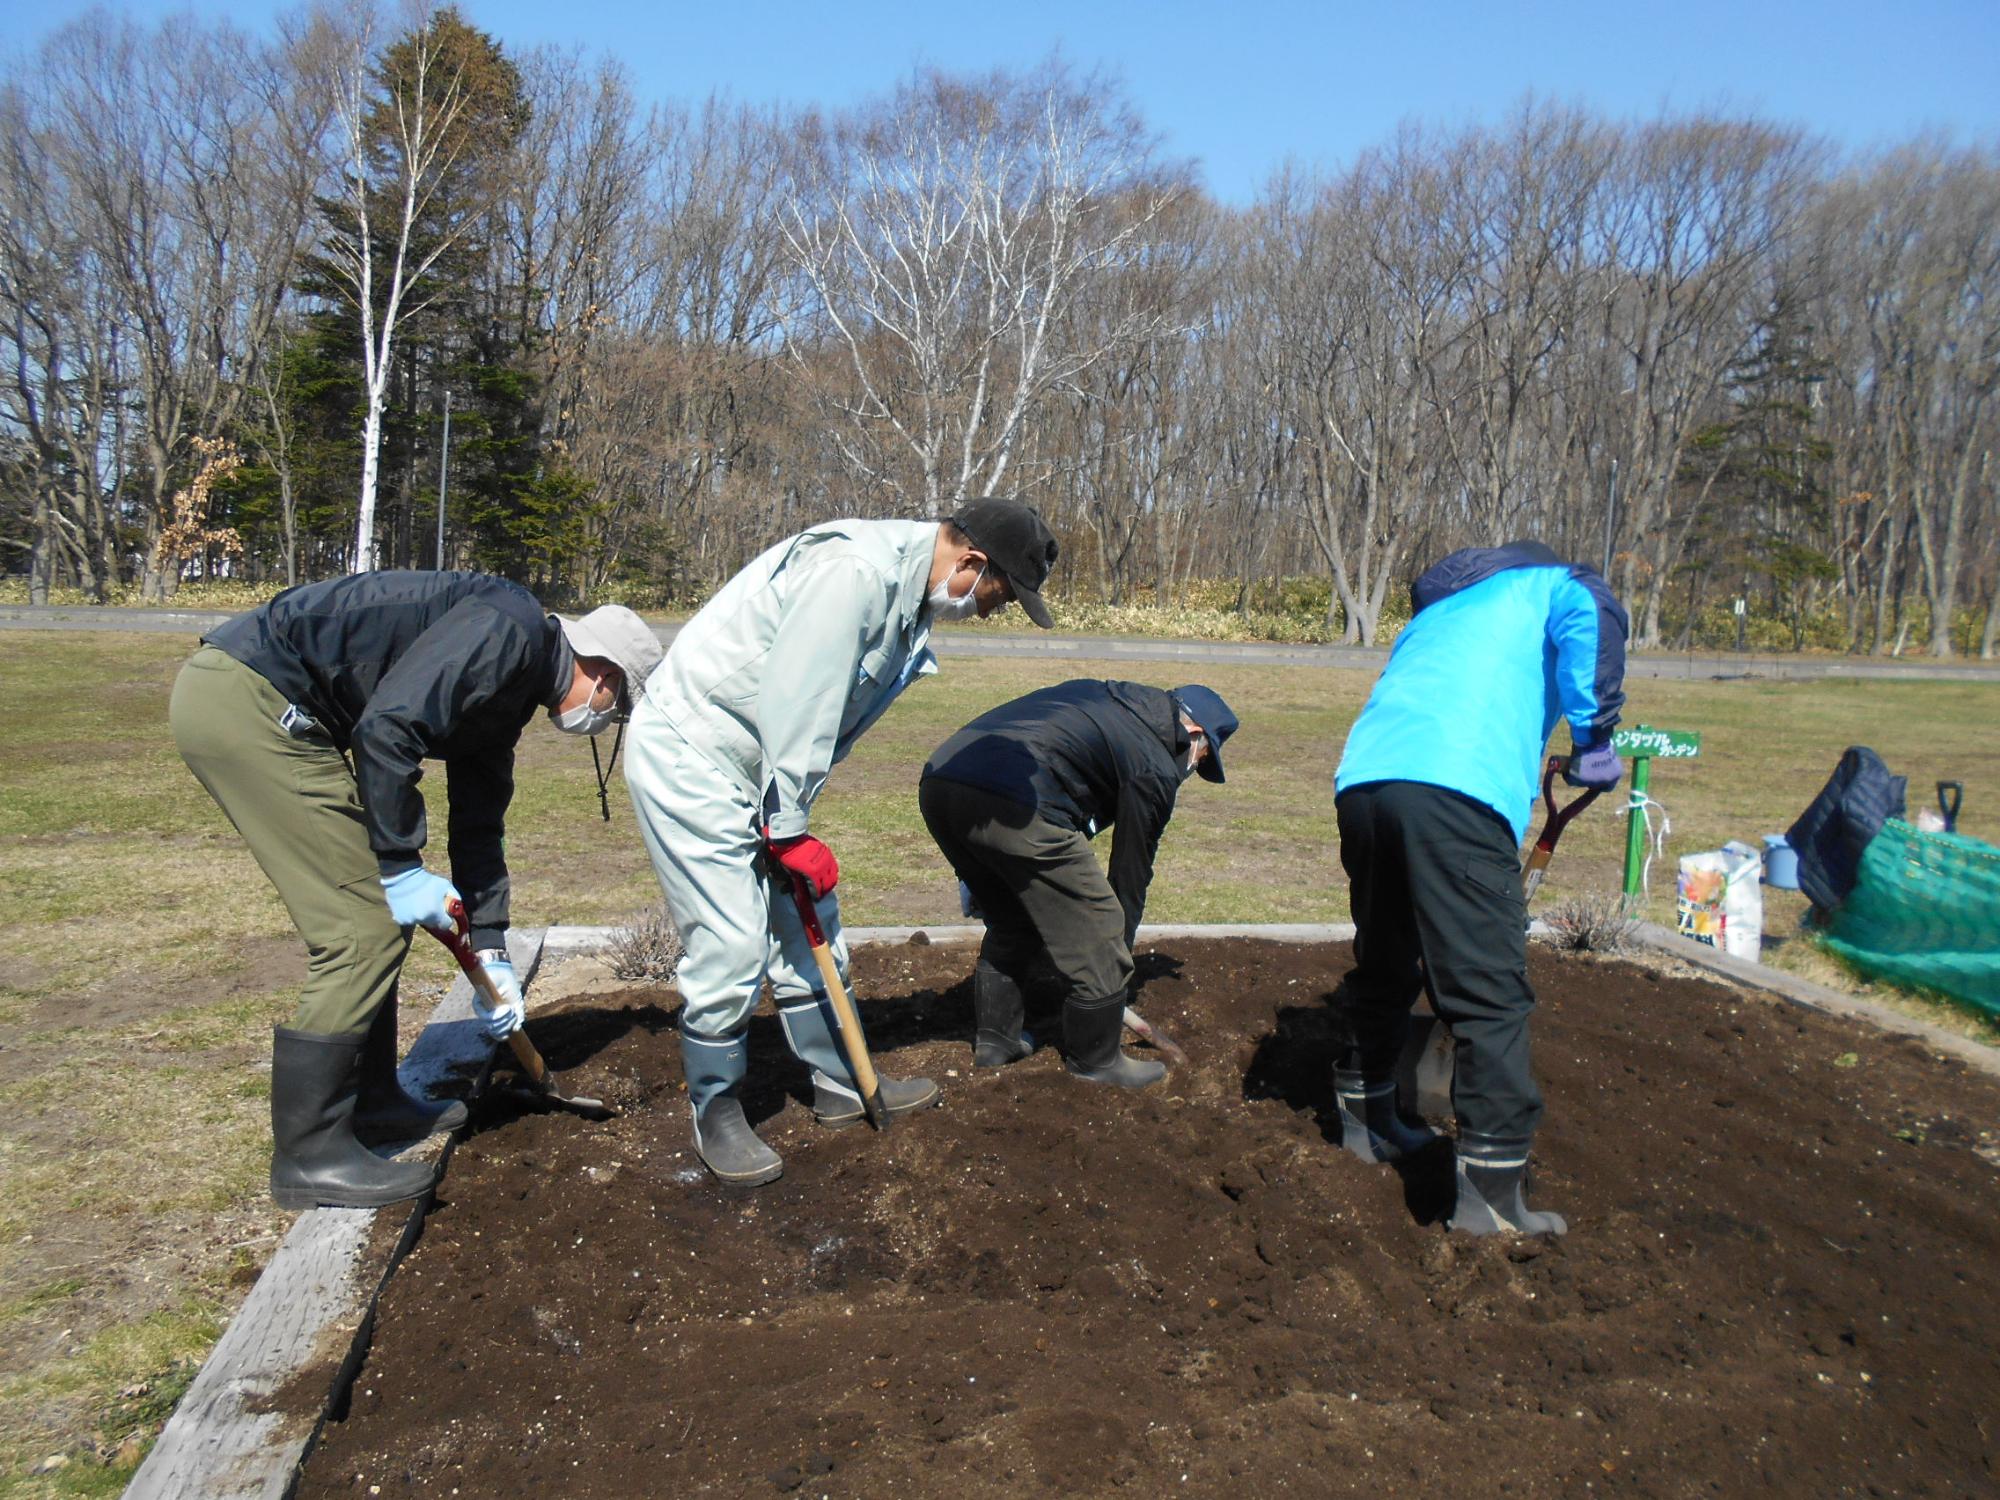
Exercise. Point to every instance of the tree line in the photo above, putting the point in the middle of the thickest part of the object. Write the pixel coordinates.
(270, 304)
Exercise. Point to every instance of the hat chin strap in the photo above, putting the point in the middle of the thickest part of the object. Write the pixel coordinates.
(604, 771)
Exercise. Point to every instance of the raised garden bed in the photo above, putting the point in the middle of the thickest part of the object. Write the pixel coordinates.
(1779, 1276)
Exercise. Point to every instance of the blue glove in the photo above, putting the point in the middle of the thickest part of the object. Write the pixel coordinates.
(1594, 766)
(499, 1020)
(418, 898)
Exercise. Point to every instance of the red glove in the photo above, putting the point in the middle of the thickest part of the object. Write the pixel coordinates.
(807, 856)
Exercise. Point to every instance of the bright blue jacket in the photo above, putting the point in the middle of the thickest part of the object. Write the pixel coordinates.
(1505, 641)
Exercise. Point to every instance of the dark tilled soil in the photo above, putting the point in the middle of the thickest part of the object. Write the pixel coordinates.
(1780, 1276)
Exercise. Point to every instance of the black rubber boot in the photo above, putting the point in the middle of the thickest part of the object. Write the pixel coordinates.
(836, 1100)
(383, 1109)
(1370, 1126)
(1491, 1173)
(723, 1139)
(997, 1010)
(316, 1162)
(1090, 1046)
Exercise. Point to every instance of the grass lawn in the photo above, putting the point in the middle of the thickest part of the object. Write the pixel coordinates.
(143, 957)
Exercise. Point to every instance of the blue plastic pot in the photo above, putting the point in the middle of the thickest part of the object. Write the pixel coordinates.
(1781, 863)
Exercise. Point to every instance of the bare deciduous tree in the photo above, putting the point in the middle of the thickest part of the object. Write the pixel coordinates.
(943, 235)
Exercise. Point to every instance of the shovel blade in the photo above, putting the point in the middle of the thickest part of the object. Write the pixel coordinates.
(1425, 1069)
(549, 1094)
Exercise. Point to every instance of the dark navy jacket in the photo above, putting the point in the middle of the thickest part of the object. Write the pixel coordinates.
(1086, 755)
(1505, 641)
(401, 667)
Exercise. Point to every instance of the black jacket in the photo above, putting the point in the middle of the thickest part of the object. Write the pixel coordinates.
(401, 667)
(1086, 755)
(1834, 832)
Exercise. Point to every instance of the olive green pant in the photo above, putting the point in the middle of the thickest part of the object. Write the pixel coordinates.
(295, 803)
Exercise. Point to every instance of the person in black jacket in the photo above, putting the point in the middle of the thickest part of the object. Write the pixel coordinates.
(390, 669)
(1013, 800)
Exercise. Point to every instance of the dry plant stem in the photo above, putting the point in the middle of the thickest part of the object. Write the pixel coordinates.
(647, 947)
(1594, 922)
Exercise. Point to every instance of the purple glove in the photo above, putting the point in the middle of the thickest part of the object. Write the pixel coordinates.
(1594, 766)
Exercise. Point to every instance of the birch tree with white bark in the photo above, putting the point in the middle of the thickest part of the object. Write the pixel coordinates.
(939, 236)
(421, 122)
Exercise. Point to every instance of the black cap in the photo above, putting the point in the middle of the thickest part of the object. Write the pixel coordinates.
(1020, 544)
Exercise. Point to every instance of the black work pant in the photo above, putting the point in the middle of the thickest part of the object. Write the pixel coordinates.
(1039, 887)
(1435, 888)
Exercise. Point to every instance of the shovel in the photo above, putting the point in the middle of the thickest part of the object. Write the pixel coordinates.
(851, 1040)
(541, 1082)
(1552, 829)
(1145, 1031)
(1950, 794)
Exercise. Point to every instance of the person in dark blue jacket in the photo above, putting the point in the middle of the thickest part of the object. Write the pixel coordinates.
(1013, 800)
(1433, 796)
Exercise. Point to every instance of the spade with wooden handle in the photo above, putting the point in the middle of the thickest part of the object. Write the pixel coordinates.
(541, 1079)
(1146, 1031)
(852, 1042)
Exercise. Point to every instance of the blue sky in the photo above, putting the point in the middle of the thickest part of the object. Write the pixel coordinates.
(1241, 87)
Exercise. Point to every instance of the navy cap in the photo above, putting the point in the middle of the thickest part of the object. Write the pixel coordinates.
(1212, 715)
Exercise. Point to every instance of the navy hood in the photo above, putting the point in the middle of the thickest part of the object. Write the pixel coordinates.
(1470, 565)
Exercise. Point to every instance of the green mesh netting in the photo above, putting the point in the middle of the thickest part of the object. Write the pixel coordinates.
(1925, 911)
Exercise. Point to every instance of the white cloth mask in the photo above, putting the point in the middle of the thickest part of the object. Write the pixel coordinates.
(946, 606)
(583, 719)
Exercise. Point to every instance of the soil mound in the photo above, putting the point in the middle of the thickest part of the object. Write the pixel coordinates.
(1779, 1276)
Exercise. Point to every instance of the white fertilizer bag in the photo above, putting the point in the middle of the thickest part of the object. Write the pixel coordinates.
(1720, 901)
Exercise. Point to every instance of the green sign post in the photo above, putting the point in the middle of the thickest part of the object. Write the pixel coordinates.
(1643, 744)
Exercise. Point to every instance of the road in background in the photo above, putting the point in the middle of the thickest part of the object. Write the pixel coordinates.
(1720, 666)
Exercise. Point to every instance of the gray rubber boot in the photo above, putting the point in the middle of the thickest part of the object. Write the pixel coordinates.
(383, 1109)
(1491, 1173)
(808, 1024)
(1370, 1126)
(723, 1139)
(316, 1162)
(997, 1009)
(1090, 1046)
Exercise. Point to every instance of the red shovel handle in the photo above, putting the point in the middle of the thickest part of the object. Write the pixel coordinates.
(808, 912)
(1559, 818)
(459, 939)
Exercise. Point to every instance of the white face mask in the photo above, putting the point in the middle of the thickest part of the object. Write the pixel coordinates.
(945, 606)
(1188, 765)
(583, 719)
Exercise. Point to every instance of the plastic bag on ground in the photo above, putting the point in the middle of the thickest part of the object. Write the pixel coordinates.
(1719, 900)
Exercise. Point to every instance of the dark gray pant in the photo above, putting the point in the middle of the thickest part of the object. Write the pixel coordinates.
(1039, 887)
(1435, 888)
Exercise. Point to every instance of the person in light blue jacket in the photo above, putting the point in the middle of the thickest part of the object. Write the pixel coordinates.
(761, 694)
(1433, 795)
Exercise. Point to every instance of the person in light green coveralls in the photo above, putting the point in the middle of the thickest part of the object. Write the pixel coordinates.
(762, 693)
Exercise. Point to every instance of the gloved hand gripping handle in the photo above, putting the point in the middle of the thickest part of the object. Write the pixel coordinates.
(533, 1068)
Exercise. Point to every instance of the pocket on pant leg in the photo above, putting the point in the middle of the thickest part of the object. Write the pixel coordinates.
(1502, 881)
